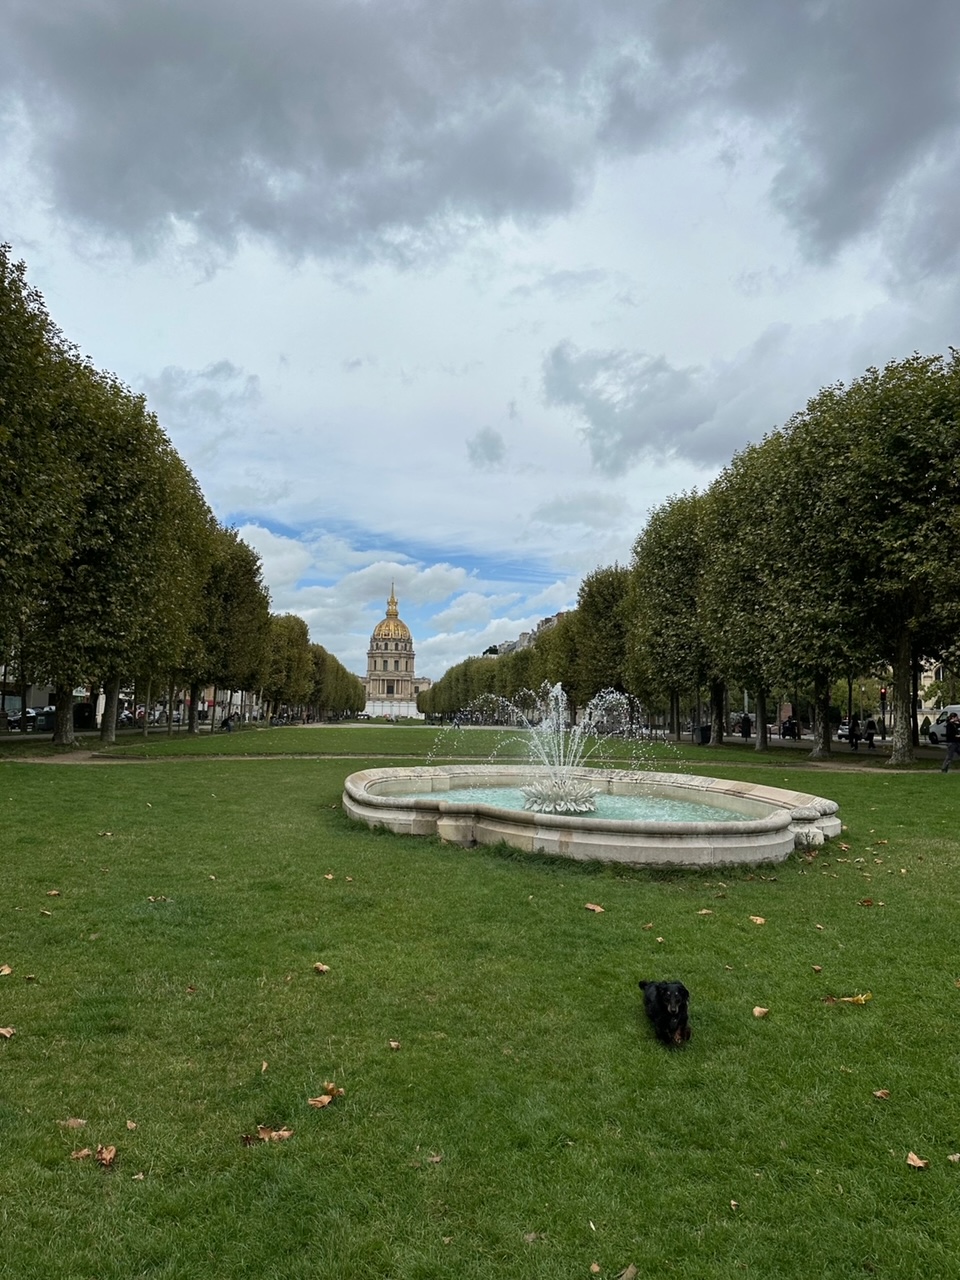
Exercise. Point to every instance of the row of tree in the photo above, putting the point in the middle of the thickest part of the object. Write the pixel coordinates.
(113, 569)
(826, 551)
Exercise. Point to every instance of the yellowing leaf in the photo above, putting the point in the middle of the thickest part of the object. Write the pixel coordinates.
(758, 920)
(915, 1162)
(759, 1011)
(592, 906)
(857, 999)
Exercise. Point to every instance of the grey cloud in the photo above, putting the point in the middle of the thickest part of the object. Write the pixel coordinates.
(214, 394)
(562, 284)
(594, 509)
(392, 130)
(486, 449)
(632, 404)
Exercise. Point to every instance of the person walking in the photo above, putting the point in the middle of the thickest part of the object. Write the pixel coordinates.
(952, 738)
(870, 732)
(745, 726)
(854, 732)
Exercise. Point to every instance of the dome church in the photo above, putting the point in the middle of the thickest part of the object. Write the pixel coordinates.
(391, 680)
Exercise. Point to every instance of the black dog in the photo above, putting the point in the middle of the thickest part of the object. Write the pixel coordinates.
(667, 1005)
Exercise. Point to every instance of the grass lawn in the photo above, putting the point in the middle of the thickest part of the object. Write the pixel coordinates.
(528, 1125)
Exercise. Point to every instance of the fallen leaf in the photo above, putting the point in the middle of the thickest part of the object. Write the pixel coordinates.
(435, 1158)
(592, 906)
(323, 1100)
(321, 968)
(328, 876)
(29, 977)
(594, 1268)
(660, 939)
(829, 1000)
(5, 970)
(263, 1067)
(106, 1156)
(630, 1273)
(349, 879)
(759, 1011)
(332, 1089)
(758, 920)
(7, 1032)
(131, 1125)
(705, 912)
(857, 999)
(53, 893)
(104, 833)
(81, 1154)
(212, 877)
(882, 1094)
(46, 913)
(532, 1236)
(865, 902)
(71, 1123)
(394, 1044)
(955, 1158)
(734, 1204)
(191, 991)
(138, 1177)
(650, 926)
(266, 1134)
(915, 1162)
(882, 841)
(818, 968)
(845, 848)
(818, 926)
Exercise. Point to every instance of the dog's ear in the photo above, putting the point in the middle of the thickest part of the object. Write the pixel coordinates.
(683, 991)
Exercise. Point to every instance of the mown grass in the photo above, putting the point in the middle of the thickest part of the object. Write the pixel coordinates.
(529, 1125)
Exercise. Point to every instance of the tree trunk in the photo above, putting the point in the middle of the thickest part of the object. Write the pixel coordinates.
(903, 717)
(821, 716)
(192, 723)
(914, 702)
(717, 698)
(760, 708)
(146, 708)
(170, 696)
(63, 733)
(213, 711)
(108, 724)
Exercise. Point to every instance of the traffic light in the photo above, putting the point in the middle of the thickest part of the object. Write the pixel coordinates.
(883, 694)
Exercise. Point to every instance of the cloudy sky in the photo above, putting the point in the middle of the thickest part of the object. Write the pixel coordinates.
(452, 292)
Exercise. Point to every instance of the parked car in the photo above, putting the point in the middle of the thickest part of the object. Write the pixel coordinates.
(937, 728)
(843, 731)
(13, 720)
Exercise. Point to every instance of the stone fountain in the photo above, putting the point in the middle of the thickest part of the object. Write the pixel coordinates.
(562, 804)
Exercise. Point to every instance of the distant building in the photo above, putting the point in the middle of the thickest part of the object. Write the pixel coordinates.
(391, 681)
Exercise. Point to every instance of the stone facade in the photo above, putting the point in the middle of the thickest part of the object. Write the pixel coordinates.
(391, 681)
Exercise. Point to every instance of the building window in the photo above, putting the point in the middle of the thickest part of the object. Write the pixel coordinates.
(389, 690)
(396, 664)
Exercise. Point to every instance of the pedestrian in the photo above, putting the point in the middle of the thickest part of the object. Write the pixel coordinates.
(870, 732)
(854, 732)
(745, 726)
(952, 738)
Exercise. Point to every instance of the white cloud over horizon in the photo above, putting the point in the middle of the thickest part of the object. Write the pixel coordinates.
(452, 296)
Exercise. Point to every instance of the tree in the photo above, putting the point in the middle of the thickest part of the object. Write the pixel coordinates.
(602, 624)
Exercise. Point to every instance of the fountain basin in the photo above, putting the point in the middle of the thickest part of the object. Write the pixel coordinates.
(756, 824)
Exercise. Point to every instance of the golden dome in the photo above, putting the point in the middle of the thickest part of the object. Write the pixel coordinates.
(392, 627)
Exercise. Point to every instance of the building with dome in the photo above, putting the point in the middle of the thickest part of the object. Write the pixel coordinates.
(391, 681)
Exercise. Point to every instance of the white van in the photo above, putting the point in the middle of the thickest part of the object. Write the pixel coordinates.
(937, 729)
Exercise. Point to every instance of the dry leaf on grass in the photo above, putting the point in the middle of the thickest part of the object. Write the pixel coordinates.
(82, 1154)
(758, 920)
(72, 1123)
(5, 970)
(46, 913)
(882, 1094)
(594, 1268)
(705, 912)
(435, 1158)
(630, 1273)
(7, 1032)
(106, 1156)
(857, 999)
(759, 1011)
(734, 1204)
(532, 1236)
(266, 1134)
(263, 1066)
(592, 906)
(330, 1092)
(650, 926)
(394, 1044)
(131, 1125)
(915, 1162)
(321, 968)
(328, 876)
(818, 968)
(323, 1100)
(138, 1177)
(955, 1158)
(53, 893)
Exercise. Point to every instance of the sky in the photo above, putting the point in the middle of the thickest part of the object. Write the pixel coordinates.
(451, 293)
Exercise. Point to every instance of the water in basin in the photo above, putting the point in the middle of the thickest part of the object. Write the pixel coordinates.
(618, 808)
